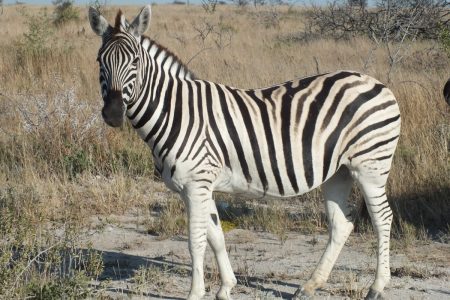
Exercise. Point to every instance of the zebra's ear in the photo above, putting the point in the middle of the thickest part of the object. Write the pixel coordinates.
(98, 23)
(141, 22)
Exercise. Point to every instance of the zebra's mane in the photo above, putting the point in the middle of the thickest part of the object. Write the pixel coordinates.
(154, 47)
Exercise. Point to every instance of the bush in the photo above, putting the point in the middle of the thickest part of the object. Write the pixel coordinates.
(35, 262)
(391, 20)
(209, 5)
(64, 12)
(58, 127)
(67, 136)
(444, 39)
(37, 38)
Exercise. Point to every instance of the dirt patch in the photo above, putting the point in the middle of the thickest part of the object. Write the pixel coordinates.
(142, 266)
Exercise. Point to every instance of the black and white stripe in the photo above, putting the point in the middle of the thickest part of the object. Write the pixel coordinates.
(284, 140)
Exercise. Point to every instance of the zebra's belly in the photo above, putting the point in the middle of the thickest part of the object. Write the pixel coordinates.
(177, 176)
(238, 185)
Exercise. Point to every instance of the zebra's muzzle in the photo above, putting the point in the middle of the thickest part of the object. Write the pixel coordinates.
(113, 111)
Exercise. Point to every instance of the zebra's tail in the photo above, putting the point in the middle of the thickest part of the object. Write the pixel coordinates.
(447, 92)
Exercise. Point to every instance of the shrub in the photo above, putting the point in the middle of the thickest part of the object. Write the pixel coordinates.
(391, 20)
(444, 39)
(209, 5)
(171, 220)
(35, 262)
(240, 3)
(76, 162)
(64, 12)
(37, 38)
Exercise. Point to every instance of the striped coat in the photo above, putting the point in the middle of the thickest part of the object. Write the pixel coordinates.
(328, 130)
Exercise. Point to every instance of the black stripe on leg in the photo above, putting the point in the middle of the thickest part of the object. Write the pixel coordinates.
(214, 219)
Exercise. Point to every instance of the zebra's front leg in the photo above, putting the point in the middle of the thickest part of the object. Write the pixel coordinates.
(216, 241)
(196, 200)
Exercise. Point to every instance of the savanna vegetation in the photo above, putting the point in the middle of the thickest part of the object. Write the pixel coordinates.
(60, 165)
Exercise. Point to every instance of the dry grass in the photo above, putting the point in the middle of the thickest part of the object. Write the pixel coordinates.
(59, 162)
(352, 286)
(417, 272)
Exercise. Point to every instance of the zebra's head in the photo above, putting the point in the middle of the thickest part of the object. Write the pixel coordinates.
(447, 92)
(119, 59)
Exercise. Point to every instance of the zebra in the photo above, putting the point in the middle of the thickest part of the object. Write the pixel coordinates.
(329, 130)
(447, 92)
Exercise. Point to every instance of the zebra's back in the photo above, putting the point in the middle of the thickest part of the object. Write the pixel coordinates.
(287, 139)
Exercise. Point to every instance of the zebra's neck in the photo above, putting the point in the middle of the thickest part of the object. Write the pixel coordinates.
(165, 61)
(162, 73)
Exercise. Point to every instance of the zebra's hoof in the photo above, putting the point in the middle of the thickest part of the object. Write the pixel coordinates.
(301, 294)
(374, 295)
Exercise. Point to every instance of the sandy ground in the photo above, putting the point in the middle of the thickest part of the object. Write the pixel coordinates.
(265, 268)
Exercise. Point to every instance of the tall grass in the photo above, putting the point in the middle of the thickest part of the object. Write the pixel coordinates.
(59, 164)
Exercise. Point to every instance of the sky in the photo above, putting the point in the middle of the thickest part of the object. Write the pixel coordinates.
(85, 2)
(123, 2)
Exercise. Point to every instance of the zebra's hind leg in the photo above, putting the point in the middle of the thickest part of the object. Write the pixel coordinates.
(381, 215)
(217, 243)
(336, 191)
